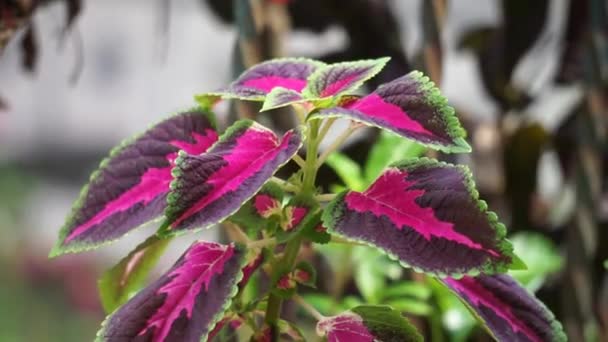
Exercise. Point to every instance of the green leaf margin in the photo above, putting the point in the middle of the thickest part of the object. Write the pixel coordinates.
(78, 247)
(218, 316)
(433, 97)
(375, 65)
(503, 245)
(172, 197)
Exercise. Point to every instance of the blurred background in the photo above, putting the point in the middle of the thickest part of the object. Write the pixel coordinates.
(528, 79)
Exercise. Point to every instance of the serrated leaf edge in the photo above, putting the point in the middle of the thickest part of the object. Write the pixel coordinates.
(165, 231)
(78, 247)
(503, 244)
(214, 320)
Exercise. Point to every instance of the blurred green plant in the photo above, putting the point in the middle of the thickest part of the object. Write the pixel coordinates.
(388, 149)
(540, 255)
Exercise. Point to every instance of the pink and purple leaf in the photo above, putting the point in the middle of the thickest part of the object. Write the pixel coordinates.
(344, 78)
(131, 185)
(508, 310)
(427, 215)
(226, 329)
(253, 215)
(327, 83)
(185, 303)
(258, 81)
(410, 106)
(368, 323)
(281, 97)
(210, 187)
(300, 214)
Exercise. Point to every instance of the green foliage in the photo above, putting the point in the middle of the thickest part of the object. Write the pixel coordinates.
(389, 148)
(279, 219)
(385, 323)
(453, 315)
(541, 257)
(122, 281)
(348, 170)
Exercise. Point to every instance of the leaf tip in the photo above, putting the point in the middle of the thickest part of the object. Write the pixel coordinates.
(207, 100)
(56, 251)
(461, 146)
(517, 264)
(384, 60)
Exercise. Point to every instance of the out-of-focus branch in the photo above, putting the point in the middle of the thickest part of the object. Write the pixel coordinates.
(433, 17)
(262, 27)
(13, 16)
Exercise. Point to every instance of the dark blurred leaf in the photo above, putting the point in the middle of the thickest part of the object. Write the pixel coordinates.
(521, 154)
(571, 66)
(478, 38)
(73, 8)
(379, 37)
(29, 48)
(523, 22)
(3, 105)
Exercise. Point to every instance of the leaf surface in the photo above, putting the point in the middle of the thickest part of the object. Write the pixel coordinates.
(256, 82)
(210, 187)
(264, 205)
(347, 169)
(185, 303)
(131, 185)
(508, 310)
(410, 106)
(368, 323)
(281, 97)
(427, 215)
(341, 78)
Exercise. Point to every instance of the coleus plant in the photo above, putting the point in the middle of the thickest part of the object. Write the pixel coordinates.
(424, 213)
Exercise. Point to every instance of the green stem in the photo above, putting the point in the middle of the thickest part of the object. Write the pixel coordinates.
(273, 310)
(325, 197)
(292, 248)
(300, 111)
(261, 243)
(337, 239)
(310, 167)
(309, 308)
(296, 158)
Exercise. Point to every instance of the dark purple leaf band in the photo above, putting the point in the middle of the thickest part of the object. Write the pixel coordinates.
(185, 303)
(508, 310)
(427, 215)
(210, 187)
(130, 186)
